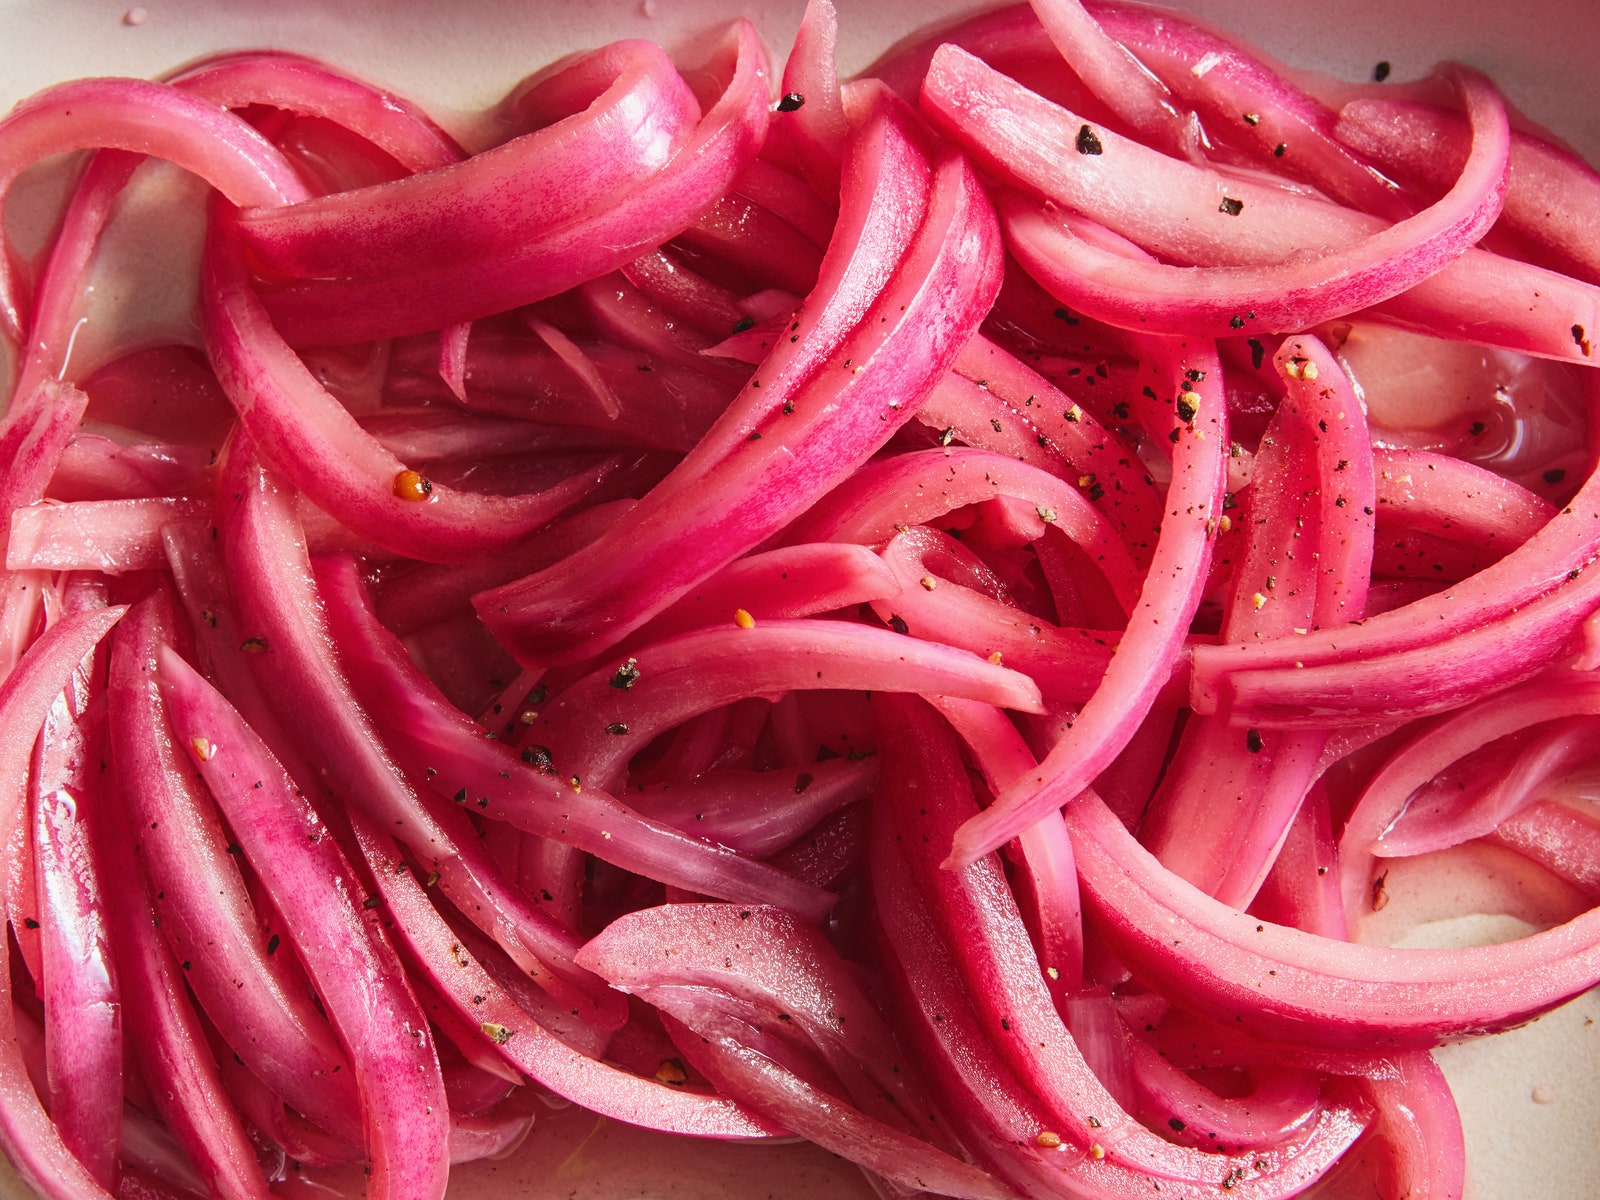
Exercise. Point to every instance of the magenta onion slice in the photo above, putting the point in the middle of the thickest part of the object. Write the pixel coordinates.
(594, 726)
(457, 757)
(924, 799)
(1215, 301)
(31, 1140)
(324, 451)
(1305, 990)
(481, 1001)
(286, 631)
(807, 418)
(640, 114)
(1154, 635)
(147, 118)
(83, 1035)
(344, 949)
(474, 285)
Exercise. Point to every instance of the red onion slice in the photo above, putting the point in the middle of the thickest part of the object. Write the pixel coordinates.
(351, 961)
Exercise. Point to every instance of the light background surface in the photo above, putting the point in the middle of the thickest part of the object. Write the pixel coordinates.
(457, 57)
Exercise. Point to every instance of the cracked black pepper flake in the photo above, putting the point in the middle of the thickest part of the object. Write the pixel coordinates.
(1476, 428)
(947, 435)
(272, 944)
(1176, 1125)
(1252, 741)
(791, 101)
(538, 756)
(1258, 352)
(617, 728)
(744, 323)
(1063, 314)
(1279, 149)
(1231, 206)
(898, 624)
(1381, 71)
(627, 675)
(1088, 142)
(1236, 322)
(1096, 491)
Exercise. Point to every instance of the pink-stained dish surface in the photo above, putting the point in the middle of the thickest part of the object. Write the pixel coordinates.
(1529, 1099)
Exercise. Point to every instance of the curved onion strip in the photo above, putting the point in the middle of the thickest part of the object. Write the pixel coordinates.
(83, 1032)
(595, 727)
(29, 1137)
(1154, 636)
(351, 961)
(919, 487)
(147, 118)
(324, 451)
(164, 1032)
(300, 84)
(1305, 990)
(1553, 193)
(922, 799)
(282, 615)
(442, 745)
(479, 283)
(1222, 300)
(1117, 77)
(1386, 796)
(527, 1046)
(499, 199)
(807, 418)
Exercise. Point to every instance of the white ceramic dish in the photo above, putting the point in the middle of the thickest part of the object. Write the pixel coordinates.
(1530, 1099)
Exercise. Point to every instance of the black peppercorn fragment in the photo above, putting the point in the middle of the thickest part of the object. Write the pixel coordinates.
(744, 323)
(627, 675)
(1258, 352)
(1252, 741)
(898, 624)
(1231, 206)
(1088, 142)
(791, 101)
(1381, 71)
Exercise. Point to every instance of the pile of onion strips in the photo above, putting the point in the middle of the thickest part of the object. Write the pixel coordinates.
(915, 612)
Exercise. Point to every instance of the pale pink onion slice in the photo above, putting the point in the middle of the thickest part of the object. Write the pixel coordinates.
(788, 970)
(350, 959)
(1560, 839)
(112, 536)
